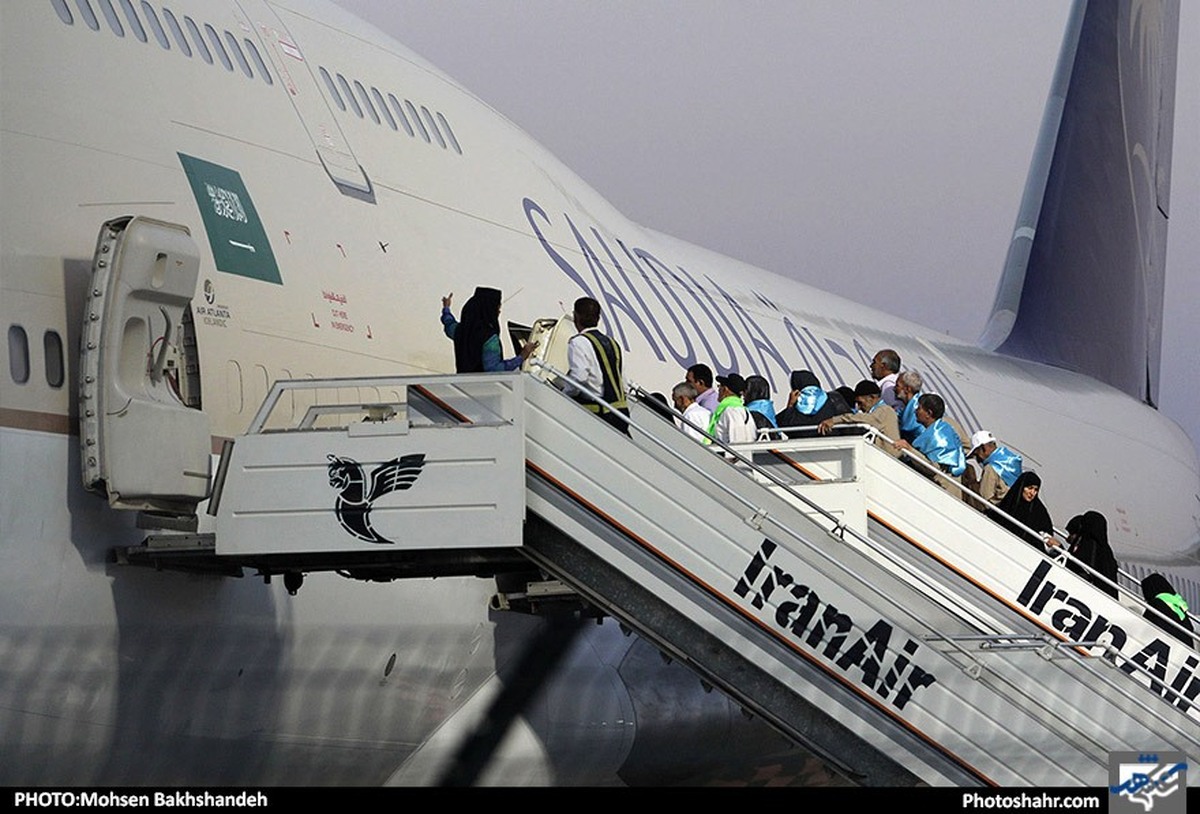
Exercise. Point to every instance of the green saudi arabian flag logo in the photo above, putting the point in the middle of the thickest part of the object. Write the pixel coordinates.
(235, 234)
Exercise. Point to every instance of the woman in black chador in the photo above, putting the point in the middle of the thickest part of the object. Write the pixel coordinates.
(476, 334)
(1022, 504)
(1087, 541)
(1167, 608)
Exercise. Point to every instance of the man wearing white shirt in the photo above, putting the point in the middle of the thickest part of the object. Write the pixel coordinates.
(885, 369)
(695, 417)
(731, 423)
(594, 360)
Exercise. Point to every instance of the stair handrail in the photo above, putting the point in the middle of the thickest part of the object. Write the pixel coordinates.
(1088, 661)
(915, 578)
(1058, 552)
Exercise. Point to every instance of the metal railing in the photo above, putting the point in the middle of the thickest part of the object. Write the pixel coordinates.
(1058, 552)
(1060, 556)
(913, 578)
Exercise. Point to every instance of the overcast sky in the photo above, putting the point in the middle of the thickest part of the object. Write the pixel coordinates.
(870, 147)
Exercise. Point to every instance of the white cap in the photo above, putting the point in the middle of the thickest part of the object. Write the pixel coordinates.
(979, 439)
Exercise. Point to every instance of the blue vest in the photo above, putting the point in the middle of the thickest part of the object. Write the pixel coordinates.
(910, 428)
(941, 444)
(1006, 463)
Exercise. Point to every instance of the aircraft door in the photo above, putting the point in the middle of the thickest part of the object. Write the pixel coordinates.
(141, 445)
(552, 336)
(296, 74)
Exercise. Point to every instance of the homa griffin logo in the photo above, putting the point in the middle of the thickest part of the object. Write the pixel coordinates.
(356, 495)
(1076, 620)
(869, 659)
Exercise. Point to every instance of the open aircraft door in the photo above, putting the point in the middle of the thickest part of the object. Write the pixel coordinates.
(142, 446)
(552, 336)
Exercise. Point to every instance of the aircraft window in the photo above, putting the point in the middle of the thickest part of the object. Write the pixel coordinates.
(217, 47)
(362, 92)
(412, 112)
(387, 114)
(89, 16)
(258, 384)
(288, 399)
(258, 60)
(400, 115)
(236, 50)
(134, 23)
(233, 387)
(52, 345)
(110, 14)
(333, 91)
(18, 354)
(156, 26)
(201, 48)
(349, 95)
(433, 128)
(177, 32)
(64, 13)
(449, 133)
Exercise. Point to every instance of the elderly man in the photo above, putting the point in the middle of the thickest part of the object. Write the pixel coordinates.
(999, 469)
(871, 412)
(695, 416)
(908, 392)
(885, 369)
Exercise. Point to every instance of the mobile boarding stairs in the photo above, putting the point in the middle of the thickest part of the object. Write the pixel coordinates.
(827, 586)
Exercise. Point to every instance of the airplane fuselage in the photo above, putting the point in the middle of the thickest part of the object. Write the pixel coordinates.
(379, 185)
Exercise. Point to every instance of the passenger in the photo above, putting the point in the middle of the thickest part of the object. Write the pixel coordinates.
(700, 376)
(885, 369)
(848, 396)
(1167, 608)
(908, 392)
(657, 402)
(731, 423)
(594, 359)
(1021, 503)
(808, 404)
(758, 402)
(684, 396)
(872, 412)
(477, 335)
(1000, 467)
(938, 441)
(1087, 542)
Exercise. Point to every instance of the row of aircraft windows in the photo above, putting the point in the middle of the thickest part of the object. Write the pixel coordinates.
(205, 44)
(358, 100)
(19, 367)
(209, 42)
(246, 387)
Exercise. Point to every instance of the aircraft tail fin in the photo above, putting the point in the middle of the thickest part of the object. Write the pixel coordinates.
(1082, 286)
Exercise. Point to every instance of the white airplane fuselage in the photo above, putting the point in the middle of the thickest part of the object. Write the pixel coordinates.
(113, 674)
